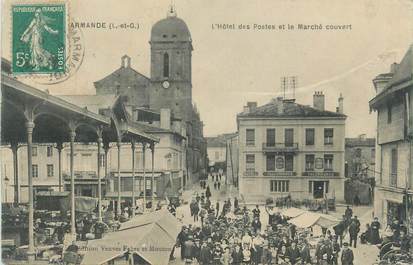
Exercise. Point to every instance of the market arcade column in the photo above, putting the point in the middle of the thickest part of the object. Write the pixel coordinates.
(133, 178)
(59, 148)
(29, 131)
(72, 183)
(14, 148)
(152, 147)
(99, 143)
(119, 211)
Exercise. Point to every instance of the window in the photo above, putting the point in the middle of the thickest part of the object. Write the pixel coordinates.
(34, 151)
(328, 162)
(279, 185)
(250, 136)
(289, 137)
(102, 160)
(389, 113)
(309, 136)
(50, 172)
(324, 184)
(279, 162)
(250, 163)
(216, 155)
(270, 137)
(373, 154)
(358, 152)
(270, 162)
(393, 164)
(35, 171)
(166, 65)
(289, 162)
(50, 151)
(328, 135)
(309, 162)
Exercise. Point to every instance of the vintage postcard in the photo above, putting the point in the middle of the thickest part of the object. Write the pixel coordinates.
(172, 132)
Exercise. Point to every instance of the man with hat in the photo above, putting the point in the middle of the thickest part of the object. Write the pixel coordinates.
(237, 256)
(205, 255)
(353, 230)
(347, 257)
(336, 250)
(305, 253)
(293, 253)
(181, 239)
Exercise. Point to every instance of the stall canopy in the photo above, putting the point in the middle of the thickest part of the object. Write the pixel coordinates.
(309, 219)
(292, 212)
(151, 237)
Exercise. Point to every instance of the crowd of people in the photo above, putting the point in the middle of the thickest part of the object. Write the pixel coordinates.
(232, 234)
(224, 232)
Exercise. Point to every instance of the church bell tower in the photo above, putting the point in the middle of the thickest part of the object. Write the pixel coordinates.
(171, 69)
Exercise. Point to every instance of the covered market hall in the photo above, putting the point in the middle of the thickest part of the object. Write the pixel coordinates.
(30, 115)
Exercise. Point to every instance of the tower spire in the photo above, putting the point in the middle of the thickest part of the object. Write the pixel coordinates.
(172, 10)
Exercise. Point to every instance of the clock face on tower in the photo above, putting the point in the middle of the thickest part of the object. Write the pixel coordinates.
(165, 84)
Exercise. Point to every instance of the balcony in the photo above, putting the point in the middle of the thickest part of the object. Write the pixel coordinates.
(280, 147)
(250, 173)
(280, 173)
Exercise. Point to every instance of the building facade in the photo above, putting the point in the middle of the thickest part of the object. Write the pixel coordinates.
(217, 151)
(393, 104)
(290, 149)
(360, 154)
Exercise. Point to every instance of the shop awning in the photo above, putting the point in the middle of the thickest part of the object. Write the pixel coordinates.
(309, 219)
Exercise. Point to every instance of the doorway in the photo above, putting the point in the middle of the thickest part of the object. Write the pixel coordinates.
(318, 190)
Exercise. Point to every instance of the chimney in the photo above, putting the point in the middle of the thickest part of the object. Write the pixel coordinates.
(166, 119)
(125, 61)
(252, 105)
(318, 100)
(340, 108)
(362, 136)
(394, 67)
(246, 109)
(280, 105)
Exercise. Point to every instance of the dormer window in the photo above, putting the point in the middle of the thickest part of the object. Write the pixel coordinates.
(174, 36)
(164, 36)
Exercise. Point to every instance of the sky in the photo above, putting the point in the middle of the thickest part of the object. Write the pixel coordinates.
(231, 67)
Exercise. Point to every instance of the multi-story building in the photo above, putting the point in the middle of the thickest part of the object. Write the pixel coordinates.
(393, 103)
(217, 151)
(288, 148)
(44, 168)
(360, 153)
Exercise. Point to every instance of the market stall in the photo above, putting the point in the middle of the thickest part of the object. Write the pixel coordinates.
(149, 238)
(310, 219)
(292, 212)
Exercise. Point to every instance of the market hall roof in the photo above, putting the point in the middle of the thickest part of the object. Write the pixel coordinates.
(112, 106)
(53, 116)
(288, 109)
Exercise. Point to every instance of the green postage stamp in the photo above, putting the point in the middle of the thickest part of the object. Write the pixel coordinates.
(38, 38)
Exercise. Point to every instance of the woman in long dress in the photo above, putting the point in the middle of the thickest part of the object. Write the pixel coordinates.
(39, 57)
(375, 235)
